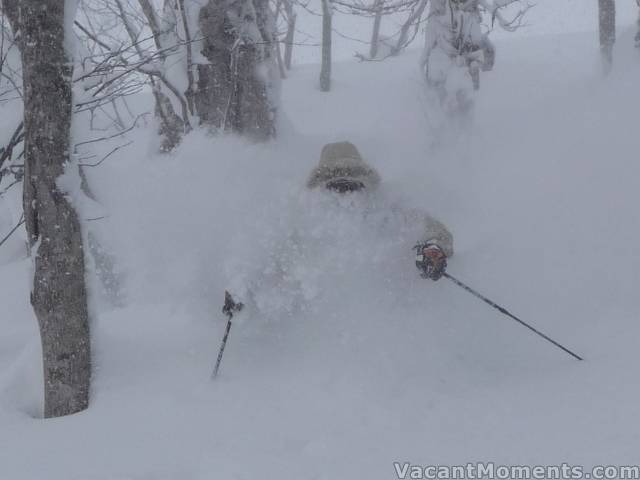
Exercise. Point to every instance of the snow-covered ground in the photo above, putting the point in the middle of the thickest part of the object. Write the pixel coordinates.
(357, 362)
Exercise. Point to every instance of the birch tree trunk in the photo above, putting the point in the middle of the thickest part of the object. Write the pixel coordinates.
(59, 296)
(607, 22)
(325, 68)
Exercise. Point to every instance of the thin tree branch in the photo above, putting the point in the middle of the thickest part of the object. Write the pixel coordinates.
(12, 230)
(106, 156)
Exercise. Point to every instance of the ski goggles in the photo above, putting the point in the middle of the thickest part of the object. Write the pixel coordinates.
(344, 185)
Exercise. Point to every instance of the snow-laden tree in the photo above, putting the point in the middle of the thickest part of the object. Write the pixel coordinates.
(59, 295)
(220, 61)
(209, 63)
(457, 48)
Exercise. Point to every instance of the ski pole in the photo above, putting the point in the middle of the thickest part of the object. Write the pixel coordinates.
(230, 307)
(507, 313)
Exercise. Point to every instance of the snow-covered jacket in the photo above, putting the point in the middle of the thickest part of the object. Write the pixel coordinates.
(343, 160)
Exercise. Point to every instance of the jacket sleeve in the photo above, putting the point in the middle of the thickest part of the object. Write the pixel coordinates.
(436, 233)
(431, 230)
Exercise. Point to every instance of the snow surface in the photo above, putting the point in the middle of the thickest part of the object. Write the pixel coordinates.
(360, 362)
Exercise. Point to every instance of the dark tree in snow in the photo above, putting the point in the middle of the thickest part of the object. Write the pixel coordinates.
(59, 295)
(235, 89)
(325, 67)
(291, 30)
(225, 51)
(458, 48)
(607, 23)
(173, 108)
(637, 39)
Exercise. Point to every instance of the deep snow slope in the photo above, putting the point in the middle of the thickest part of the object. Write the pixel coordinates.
(350, 361)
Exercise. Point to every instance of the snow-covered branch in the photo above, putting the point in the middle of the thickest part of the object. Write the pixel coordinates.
(494, 7)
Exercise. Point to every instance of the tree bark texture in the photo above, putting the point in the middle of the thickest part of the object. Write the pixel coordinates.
(171, 125)
(10, 9)
(59, 295)
(233, 90)
(607, 22)
(154, 23)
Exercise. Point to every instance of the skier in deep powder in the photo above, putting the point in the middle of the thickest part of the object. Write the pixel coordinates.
(343, 170)
(344, 233)
(342, 216)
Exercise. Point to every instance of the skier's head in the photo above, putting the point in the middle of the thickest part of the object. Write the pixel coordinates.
(341, 169)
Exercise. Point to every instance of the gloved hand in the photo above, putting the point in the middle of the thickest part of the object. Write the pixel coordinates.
(431, 261)
(230, 305)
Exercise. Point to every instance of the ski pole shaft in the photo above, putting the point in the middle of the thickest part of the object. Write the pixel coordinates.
(221, 352)
(507, 313)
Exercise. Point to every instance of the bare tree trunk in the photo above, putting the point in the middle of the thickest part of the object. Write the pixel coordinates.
(637, 39)
(375, 35)
(189, 94)
(325, 68)
(154, 23)
(10, 10)
(59, 294)
(215, 91)
(281, 68)
(607, 17)
(291, 30)
(171, 125)
(233, 92)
